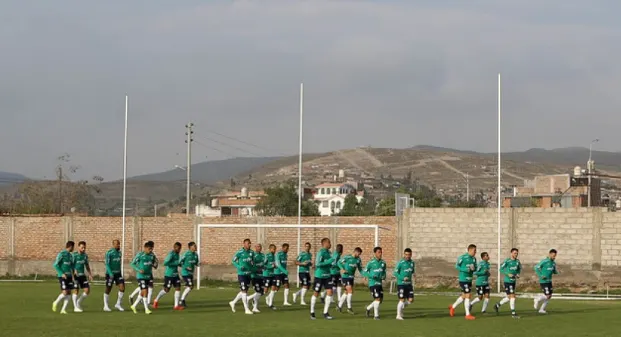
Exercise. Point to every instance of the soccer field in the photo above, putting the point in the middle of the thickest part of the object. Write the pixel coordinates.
(26, 311)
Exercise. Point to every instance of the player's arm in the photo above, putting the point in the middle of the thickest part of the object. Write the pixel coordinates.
(58, 263)
(397, 272)
(359, 266)
(321, 262)
(280, 266)
(554, 271)
(481, 271)
(156, 262)
(503, 268)
(134, 263)
(107, 262)
(235, 261)
(298, 261)
(519, 268)
(87, 266)
(341, 264)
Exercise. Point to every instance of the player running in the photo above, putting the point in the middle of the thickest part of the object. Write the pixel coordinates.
(348, 265)
(323, 262)
(268, 276)
(482, 282)
(544, 270)
(404, 272)
(64, 265)
(257, 277)
(511, 268)
(156, 263)
(143, 264)
(466, 264)
(189, 260)
(304, 263)
(171, 277)
(112, 261)
(376, 273)
(83, 275)
(335, 274)
(281, 275)
(243, 260)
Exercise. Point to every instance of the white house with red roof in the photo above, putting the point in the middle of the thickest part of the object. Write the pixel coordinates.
(331, 197)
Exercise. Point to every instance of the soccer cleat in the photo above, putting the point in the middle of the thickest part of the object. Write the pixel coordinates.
(106, 309)
(312, 317)
(63, 312)
(368, 313)
(232, 305)
(327, 316)
(156, 304)
(273, 307)
(349, 311)
(147, 311)
(77, 310)
(497, 308)
(515, 316)
(133, 309)
(451, 311)
(376, 318)
(543, 312)
(119, 308)
(249, 312)
(470, 318)
(54, 308)
(303, 303)
(399, 318)
(287, 304)
(295, 298)
(178, 308)
(255, 310)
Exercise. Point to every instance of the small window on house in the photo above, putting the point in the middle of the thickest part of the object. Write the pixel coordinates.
(332, 204)
(338, 205)
(324, 204)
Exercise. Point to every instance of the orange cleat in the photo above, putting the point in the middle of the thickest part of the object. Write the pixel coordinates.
(451, 311)
(178, 308)
(470, 318)
(155, 304)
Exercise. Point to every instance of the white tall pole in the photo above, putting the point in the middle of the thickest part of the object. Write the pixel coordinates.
(124, 188)
(499, 187)
(300, 190)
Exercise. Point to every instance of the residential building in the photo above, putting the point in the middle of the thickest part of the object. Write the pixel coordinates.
(559, 190)
(237, 204)
(331, 197)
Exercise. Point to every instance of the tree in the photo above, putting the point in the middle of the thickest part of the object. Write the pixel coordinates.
(283, 201)
(353, 207)
(386, 207)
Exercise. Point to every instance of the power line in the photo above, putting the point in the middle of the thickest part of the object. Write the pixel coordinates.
(213, 148)
(231, 146)
(245, 143)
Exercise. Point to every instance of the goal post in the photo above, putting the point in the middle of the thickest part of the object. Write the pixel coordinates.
(200, 228)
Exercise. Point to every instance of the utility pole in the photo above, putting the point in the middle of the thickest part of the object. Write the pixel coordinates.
(189, 164)
(467, 187)
(60, 189)
(590, 171)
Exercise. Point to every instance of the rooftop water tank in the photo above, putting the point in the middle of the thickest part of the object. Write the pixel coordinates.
(577, 171)
(244, 192)
(214, 202)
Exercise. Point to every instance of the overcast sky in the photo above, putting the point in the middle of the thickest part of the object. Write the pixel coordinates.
(379, 73)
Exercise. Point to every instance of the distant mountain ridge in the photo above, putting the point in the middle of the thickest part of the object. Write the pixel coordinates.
(9, 178)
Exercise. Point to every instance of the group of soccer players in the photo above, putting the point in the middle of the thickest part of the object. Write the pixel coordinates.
(74, 273)
(267, 273)
(511, 268)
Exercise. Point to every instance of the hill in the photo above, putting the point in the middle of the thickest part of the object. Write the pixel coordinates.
(8, 178)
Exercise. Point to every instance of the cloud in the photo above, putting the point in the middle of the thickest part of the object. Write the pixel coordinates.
(385, 73)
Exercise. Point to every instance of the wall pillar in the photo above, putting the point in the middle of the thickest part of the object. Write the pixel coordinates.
(11, 248)
(596, 244)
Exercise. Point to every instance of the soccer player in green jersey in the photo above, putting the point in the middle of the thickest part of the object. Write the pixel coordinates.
(544, 270)
(335, 274)
(83, 275)
(268, 276)
(171, 277)
(243, 260)
(375, 272)
(143, 265)
(189, 261)
(511, 268)
(466, 265)
(257, 277)
(281, 274)
(304, 263)
(482, 283)
(112, 261)
(64, 265)
(348, 265)
(404, 272)
(323, 263)
(156, 263)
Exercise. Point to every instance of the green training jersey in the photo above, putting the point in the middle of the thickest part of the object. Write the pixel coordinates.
(269, 265)
(112, 261)
(323, 263)
(188, 261)
(171, 262)
(466, 265)
(243, 260)
(143, 265)
(375, 271)
(281, 264)
(306, 260)
(545, 269)
(482, 273)
(334, 269)
(80, 261)
(349, 264)
(404, 271)
(511, 267)
(64, 264)
(259, 264)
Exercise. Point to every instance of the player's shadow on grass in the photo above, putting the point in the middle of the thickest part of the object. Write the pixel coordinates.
(435, 313)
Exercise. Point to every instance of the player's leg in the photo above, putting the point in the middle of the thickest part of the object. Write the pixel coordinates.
(86, 290)
(545, 297)
(135, 293)
(377, 292)
(150, 292)
(485, 301)
(69, 287)
(63, 296)
(509, 289)
(189, 285)
(177, 286)
(465, 289)
(285, 283)
(258, 292)
(120, 283)
(317, 287)
(142, 296)
(107, 290)
(339, 287)
(74, 295)
(477, 299)
(168, 283)
(401, 301)
(328, 285)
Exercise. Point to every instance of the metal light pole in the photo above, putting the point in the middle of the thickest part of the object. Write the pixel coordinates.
(590, 171)
(188, 167)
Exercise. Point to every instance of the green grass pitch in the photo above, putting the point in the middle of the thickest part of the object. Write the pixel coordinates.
(26, 311)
